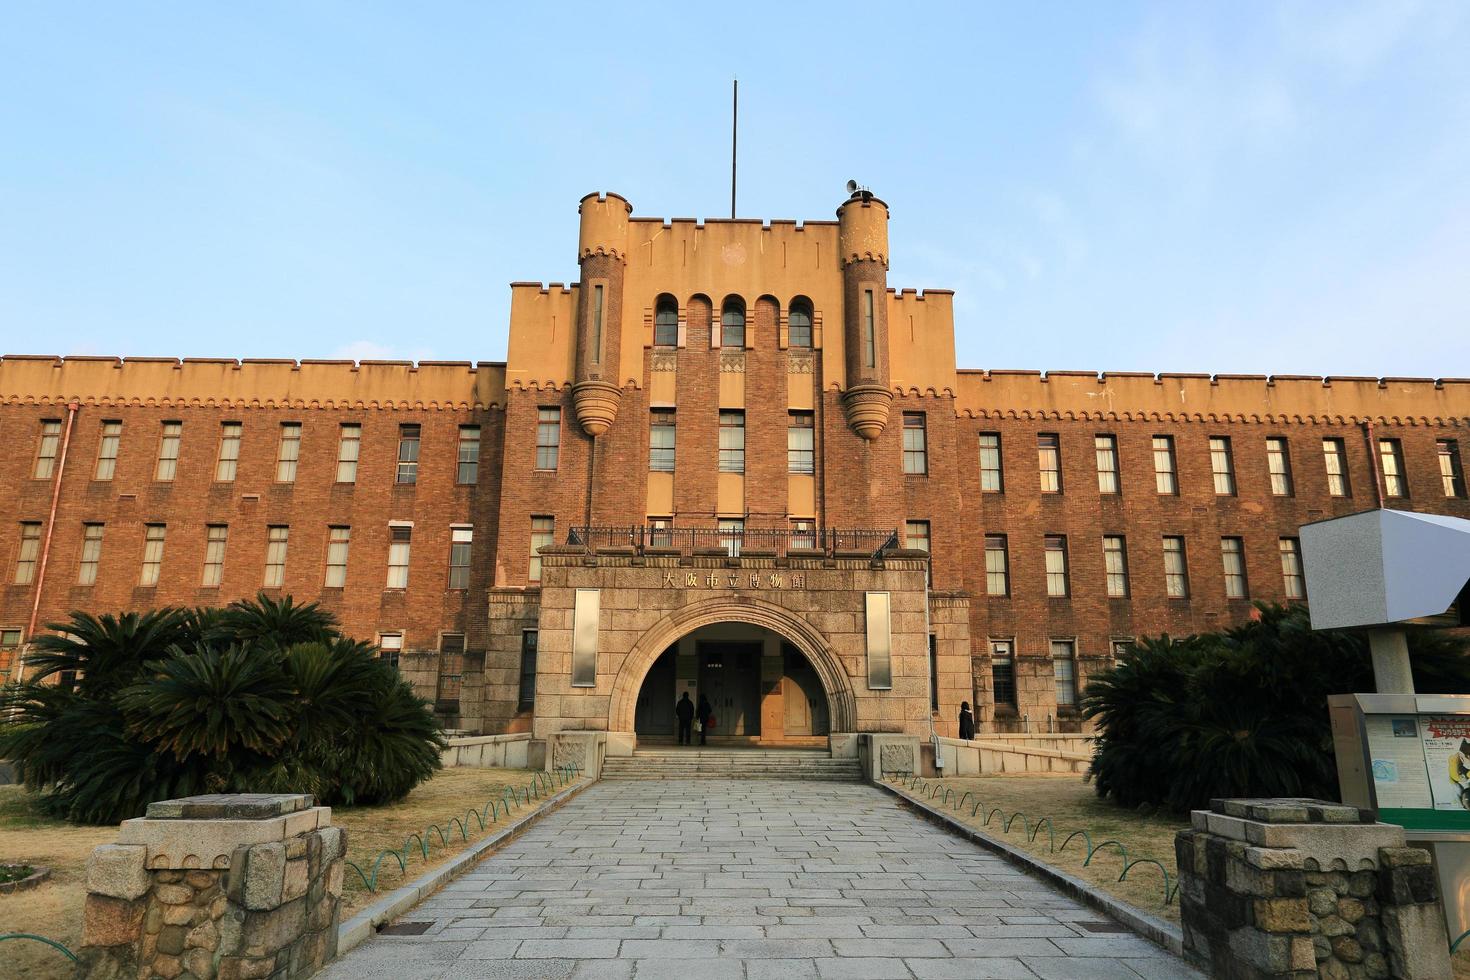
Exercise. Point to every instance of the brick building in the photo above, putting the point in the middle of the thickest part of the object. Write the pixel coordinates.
(729, 460)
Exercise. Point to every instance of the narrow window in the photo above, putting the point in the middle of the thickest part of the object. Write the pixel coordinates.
(933, 672)
(215, 537)
(228, 462)
(1166, 478)
(451, 671)
(1451, 475)
(408, 454)
(662, 439)
(339, 542)
(1064, 670)
(152, 554)
(597, 324)
(400, 545)
(1222, 466)
(660, 532)
(107, 450)
(461, 542)
(1003, 673)
(1049, 457)
(997, 566)
(390, 646)
(732, 442)
(803, 535)
(29, 553)
(1115, 562)
(91, 554)
(275, 555)
(349, 450)
(1391, 452)
(916, 535)
(870, 336)
(543, 533)
(168, 452)
(1106, 448)
(915, 444)
(1232, 556)
(47, 449)
(799, 324)
(1176, 568)
(666, 322)
(1334, 457)
(469, 455)
(732, 323)
(732, 531)
(990, 465)
(1293, 580)
(289, 452)
(1056, 565)
(548, 437)
(528, 670)
(800, 442)
(1278, 462)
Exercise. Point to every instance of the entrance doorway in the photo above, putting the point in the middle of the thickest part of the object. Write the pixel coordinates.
(730, 677)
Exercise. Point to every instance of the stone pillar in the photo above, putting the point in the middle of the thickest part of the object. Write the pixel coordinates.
(224, 886)
(1303, 888)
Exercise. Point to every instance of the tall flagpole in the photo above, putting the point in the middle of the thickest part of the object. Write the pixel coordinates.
(734, 138)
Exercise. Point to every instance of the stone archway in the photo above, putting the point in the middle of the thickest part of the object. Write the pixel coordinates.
(841, 704)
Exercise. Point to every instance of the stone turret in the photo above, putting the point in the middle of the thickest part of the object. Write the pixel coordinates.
(602, 254)
(863, 249)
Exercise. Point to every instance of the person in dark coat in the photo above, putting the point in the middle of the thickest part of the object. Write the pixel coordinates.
(705, 713)
(684, 711)
(967, 722)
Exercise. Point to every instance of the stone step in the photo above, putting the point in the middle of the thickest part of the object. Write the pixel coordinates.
(690, 763)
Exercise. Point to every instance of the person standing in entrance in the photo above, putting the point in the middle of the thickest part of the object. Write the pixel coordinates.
(684, 711)
(967, 722)
(705, 713)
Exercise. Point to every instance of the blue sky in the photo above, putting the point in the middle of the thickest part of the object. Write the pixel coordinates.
(1228, 188)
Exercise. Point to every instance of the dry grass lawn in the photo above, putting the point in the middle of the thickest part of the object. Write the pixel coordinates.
(54, 910)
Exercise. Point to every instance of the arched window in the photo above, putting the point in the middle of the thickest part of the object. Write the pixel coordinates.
(666, 322)
(732, 323)
(799, 323)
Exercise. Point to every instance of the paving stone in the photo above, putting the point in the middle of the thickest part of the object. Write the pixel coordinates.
(862, 968)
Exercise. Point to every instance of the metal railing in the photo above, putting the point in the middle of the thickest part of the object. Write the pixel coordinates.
(780, 542)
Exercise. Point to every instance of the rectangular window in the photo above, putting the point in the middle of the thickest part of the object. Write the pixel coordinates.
(1115, 563)
(29, 552)
(1120, 649)
(870, 336)
(586, 616)
(91, 554)
(215, 537)
(1166, 478)
(9, 638)
(543, 533)
(152, 554)
(732, 442)
(1222, 466)
(933, 672)
(800, 442)
(349, 450)
(1176, 568)
(1003, 673)
(1451, 475)
(662, 439)
(732, 531)
(1232, 556)
(469, 455)
(390, 646)
(990, 465)
(228, 461)
(107, 450)
(1291, 569)
(275, 555)
(168, 452)
(1278, 463)
(1106, 448)
(1049, 458)
(289, 452)
(879, 623)
(548, 437)
(803, 536)
(997, 566)
(915, 444)
(47, 449)
(916, 535)
(660, 534)
(461, 541)
(1056, 565)
(339, 542)
(400, 546)
(1391, 452)
(1334, 456)
(451, 671)
(1064, 669)
(528, 670)
(408, 454)
(597, 324)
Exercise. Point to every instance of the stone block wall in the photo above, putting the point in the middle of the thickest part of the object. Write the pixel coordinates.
(1303, 888)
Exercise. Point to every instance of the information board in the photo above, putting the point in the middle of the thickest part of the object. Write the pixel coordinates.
(1420, 762)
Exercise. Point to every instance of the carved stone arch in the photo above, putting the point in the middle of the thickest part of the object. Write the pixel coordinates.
(790, 626)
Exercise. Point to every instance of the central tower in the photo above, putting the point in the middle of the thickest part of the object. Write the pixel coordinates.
(602, 254)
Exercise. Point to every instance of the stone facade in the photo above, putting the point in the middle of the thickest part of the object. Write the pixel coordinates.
(1303, 888)
(227, 887)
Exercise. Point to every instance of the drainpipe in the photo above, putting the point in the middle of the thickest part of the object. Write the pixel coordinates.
(71, 415)
(1373, 463)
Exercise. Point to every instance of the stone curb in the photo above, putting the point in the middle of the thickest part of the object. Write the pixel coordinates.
(364, 924)
(1150, 927)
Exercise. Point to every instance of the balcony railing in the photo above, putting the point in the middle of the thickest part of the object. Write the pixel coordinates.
(750, 542)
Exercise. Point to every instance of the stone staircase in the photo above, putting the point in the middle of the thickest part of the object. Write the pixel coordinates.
(709, 763)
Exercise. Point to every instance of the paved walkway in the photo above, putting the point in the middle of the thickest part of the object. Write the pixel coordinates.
(754, 880)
